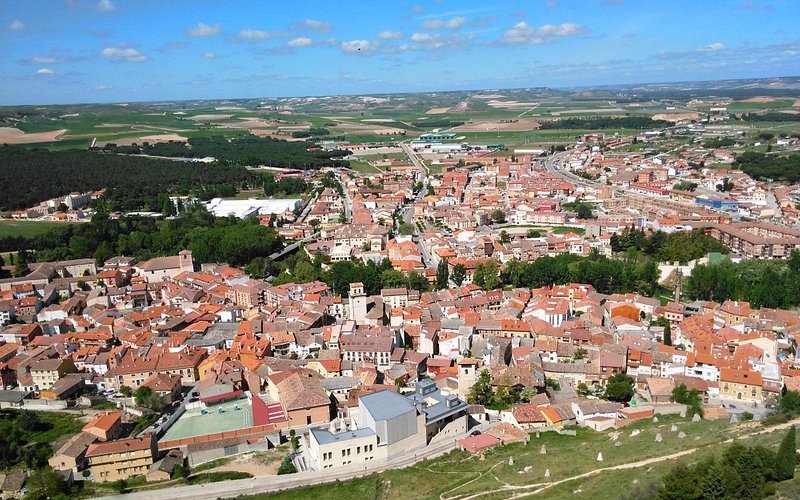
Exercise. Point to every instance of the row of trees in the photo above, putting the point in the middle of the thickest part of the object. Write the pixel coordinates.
(762, 283)
(299, 268)
(742, 472)
(29, 176)
(246, 150)
(636, 122)
(211, 239)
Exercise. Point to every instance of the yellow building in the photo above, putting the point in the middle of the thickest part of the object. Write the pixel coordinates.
(47, 372)
(742, 385)
(121, 459)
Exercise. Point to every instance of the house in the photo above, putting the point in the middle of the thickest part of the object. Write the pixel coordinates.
(302, 396)
(121, 459)
(105, 426)
(162, 470)
(47, 372)
(72, 454)
(478, 443)
(743, 385)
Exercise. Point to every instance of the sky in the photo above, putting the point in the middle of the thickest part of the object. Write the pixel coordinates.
(78, 51)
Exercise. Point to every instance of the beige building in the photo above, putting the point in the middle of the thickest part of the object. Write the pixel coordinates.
(741, 385)
(47, 372)
(72, 455)
(121, 459)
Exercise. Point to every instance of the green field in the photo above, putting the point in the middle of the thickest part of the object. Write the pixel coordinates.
(460, 475)
(27, 229)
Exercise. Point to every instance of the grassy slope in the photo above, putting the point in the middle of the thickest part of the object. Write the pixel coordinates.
(460, 474)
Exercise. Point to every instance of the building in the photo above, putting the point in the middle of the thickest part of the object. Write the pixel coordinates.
(121, 459)
(72, 455)
(757, 240)
(389, 425)
(302, 396)
(105, 426)
(161, 268)
(743, 385)
(47, 372)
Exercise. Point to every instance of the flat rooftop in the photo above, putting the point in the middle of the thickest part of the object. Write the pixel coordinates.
(193, 423)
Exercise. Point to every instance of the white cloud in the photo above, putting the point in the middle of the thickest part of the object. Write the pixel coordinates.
(43, 60)
(123, 54)
(205, 30)
(105, 6)
(454, 23)
(16, 25)
(359, 46)
(315, 25)
(209, 55)
(45, 72)
(421, 37)
(254, 35)
(302, 41)
(712, 47)
(390, 35)
(522, 33)
(102, 87)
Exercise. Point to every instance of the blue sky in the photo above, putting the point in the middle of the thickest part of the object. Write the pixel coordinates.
(71, 51)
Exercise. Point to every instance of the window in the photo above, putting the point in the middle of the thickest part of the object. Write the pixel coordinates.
(308, 420)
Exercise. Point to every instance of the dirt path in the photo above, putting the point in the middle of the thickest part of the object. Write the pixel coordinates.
(631, 465)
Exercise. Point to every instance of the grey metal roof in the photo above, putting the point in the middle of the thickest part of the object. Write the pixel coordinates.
(335, 383)
(386, 405)
(12, 396)
(447, 405)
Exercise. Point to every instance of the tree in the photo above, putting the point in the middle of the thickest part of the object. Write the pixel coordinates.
(690, 398)
(498, 216)
(459, 274)
(287, 466)
(417, 282)
(406, 229)
(442, 275)
(584, 211)
(145, 396)
(504, 237)
(29, 421)
(620, 388)
(21, 267)
(294, 440)
(45, 483)
(533, 233)
(714, 483)
(486, 275)
(790, 403)
(667, 335)
(125, 391)
(579, 353)
(786, 459)
(481, 391)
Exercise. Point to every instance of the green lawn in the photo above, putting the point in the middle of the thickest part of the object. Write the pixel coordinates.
(27, 229)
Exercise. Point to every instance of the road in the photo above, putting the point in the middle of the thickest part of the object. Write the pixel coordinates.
(267, 484)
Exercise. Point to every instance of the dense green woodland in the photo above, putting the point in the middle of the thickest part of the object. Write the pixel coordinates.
(779, 167)
(771, 117)
(211, 239)
(29, 176)
(680, 246)
(249, 151)
(637, 122)
(763, 283)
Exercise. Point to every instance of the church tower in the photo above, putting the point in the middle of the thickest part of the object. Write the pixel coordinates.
(358, 303)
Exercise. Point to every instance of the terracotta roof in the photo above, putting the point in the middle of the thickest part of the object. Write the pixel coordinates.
(120, 446)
